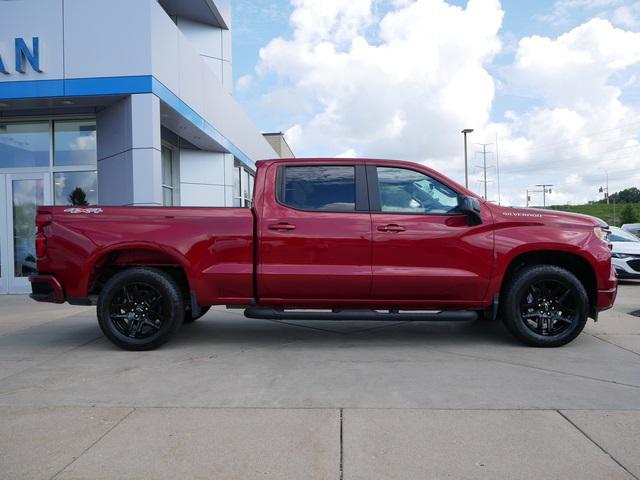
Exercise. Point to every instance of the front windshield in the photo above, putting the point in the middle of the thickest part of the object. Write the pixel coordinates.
(619, 235)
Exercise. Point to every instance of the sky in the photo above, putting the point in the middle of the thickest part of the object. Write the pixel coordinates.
(555, 84)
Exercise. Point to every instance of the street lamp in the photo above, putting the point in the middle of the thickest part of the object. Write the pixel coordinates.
(466, 165)
(606, 190)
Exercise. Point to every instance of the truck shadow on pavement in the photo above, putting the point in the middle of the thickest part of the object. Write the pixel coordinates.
(213, 330)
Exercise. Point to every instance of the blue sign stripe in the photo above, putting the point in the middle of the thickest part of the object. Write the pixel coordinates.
(31, 89)
(80, 87)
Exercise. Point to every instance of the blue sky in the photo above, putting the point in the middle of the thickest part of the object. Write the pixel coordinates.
(519, 91)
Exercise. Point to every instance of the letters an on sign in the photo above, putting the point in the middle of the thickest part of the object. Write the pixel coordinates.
(24, 55)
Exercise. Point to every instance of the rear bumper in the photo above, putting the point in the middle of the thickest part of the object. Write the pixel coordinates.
(46, 288)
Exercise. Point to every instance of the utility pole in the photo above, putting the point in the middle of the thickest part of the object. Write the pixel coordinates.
(544, 192)
(484, 166)
(528, 198)
(466, 164)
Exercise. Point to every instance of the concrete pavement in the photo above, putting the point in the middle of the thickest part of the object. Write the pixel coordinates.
(237, 398)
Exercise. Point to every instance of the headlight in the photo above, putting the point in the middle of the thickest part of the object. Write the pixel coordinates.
(602, 233)
(620, 255)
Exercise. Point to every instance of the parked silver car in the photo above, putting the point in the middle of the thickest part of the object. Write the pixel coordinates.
(633, 228)
(625, 253)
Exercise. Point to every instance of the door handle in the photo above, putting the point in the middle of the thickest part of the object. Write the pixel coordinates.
(392, 227)
(282, 226)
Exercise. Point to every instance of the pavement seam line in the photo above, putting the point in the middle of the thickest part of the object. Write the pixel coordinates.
(48, 360)
(571, 422)
(24, 329)
(341, 445)
(93, 444)
(611, 343)
(542, 369)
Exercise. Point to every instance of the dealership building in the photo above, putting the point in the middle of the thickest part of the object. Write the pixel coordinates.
(118, 102)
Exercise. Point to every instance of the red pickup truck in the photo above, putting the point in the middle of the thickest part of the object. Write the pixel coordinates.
(358, 239)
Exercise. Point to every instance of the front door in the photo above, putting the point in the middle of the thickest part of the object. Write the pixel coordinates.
(315, 235)
(23, 193)
(424, 251)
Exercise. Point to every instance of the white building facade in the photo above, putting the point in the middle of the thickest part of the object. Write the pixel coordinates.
(116, 102)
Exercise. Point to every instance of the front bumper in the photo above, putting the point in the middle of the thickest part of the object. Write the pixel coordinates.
(606, 298)
(628, 267)
(46, 288)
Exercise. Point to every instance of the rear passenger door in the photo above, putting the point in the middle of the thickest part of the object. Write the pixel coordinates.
(314, 234)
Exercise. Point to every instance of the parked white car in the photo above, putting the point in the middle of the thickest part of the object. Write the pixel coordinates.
(633, 228)
(626, 253)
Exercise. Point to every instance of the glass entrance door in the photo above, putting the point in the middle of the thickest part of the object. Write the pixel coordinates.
(24, 192)
(4, 237)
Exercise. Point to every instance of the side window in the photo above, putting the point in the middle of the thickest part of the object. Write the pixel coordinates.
(407, 191)
(319, 188)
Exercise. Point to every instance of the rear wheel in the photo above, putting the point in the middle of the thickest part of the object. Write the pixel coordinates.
(545, 306)
(140, 308)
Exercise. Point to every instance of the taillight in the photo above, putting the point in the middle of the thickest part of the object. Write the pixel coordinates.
(42, 220)
(41, 245)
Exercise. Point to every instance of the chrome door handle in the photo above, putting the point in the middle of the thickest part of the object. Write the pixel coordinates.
(282, 226)
(392, 227)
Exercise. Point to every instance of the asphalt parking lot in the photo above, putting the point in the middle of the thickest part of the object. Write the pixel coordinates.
(236, 398)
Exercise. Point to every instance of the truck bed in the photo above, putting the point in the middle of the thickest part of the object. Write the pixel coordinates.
(214, 245)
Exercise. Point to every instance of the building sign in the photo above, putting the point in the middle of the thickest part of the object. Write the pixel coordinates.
(24, 55)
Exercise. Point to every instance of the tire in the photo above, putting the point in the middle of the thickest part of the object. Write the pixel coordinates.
(545, 306)
(140, 308)
(188, 318)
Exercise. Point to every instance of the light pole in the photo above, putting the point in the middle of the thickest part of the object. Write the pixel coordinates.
(466, 164)
(605, 190)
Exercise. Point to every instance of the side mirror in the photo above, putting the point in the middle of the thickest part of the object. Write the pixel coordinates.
(471, 207)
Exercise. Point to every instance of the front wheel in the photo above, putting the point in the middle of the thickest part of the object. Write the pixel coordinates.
(545, 306)
(140, 308)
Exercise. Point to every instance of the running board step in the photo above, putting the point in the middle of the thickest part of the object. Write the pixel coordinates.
(407, 316)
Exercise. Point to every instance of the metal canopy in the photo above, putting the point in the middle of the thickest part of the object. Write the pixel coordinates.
(205, 11)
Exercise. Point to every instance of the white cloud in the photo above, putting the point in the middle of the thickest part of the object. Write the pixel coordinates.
(563, 10)
(627, 16)
(405, 84)
(244, 82)
(407, 93)
(350, 153)
(583, 127)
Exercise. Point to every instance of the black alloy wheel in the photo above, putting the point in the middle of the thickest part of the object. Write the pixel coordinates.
(137, 310)
(544, 306)
(549, 307)
(140, 308)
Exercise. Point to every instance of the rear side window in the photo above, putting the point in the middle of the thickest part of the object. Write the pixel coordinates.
(319, 188)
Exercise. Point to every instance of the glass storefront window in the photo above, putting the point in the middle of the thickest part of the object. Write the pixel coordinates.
(74, 142)
(168, 185)
(27, 195)
(237, 197)
(242, 187)
(76, 188)
(24, 144)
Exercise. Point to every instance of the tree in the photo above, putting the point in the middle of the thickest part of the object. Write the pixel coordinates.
(628, 195)
(628, 215)
(78, 198)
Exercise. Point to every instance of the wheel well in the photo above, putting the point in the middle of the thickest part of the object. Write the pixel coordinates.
(118, 260)
(569, 261)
